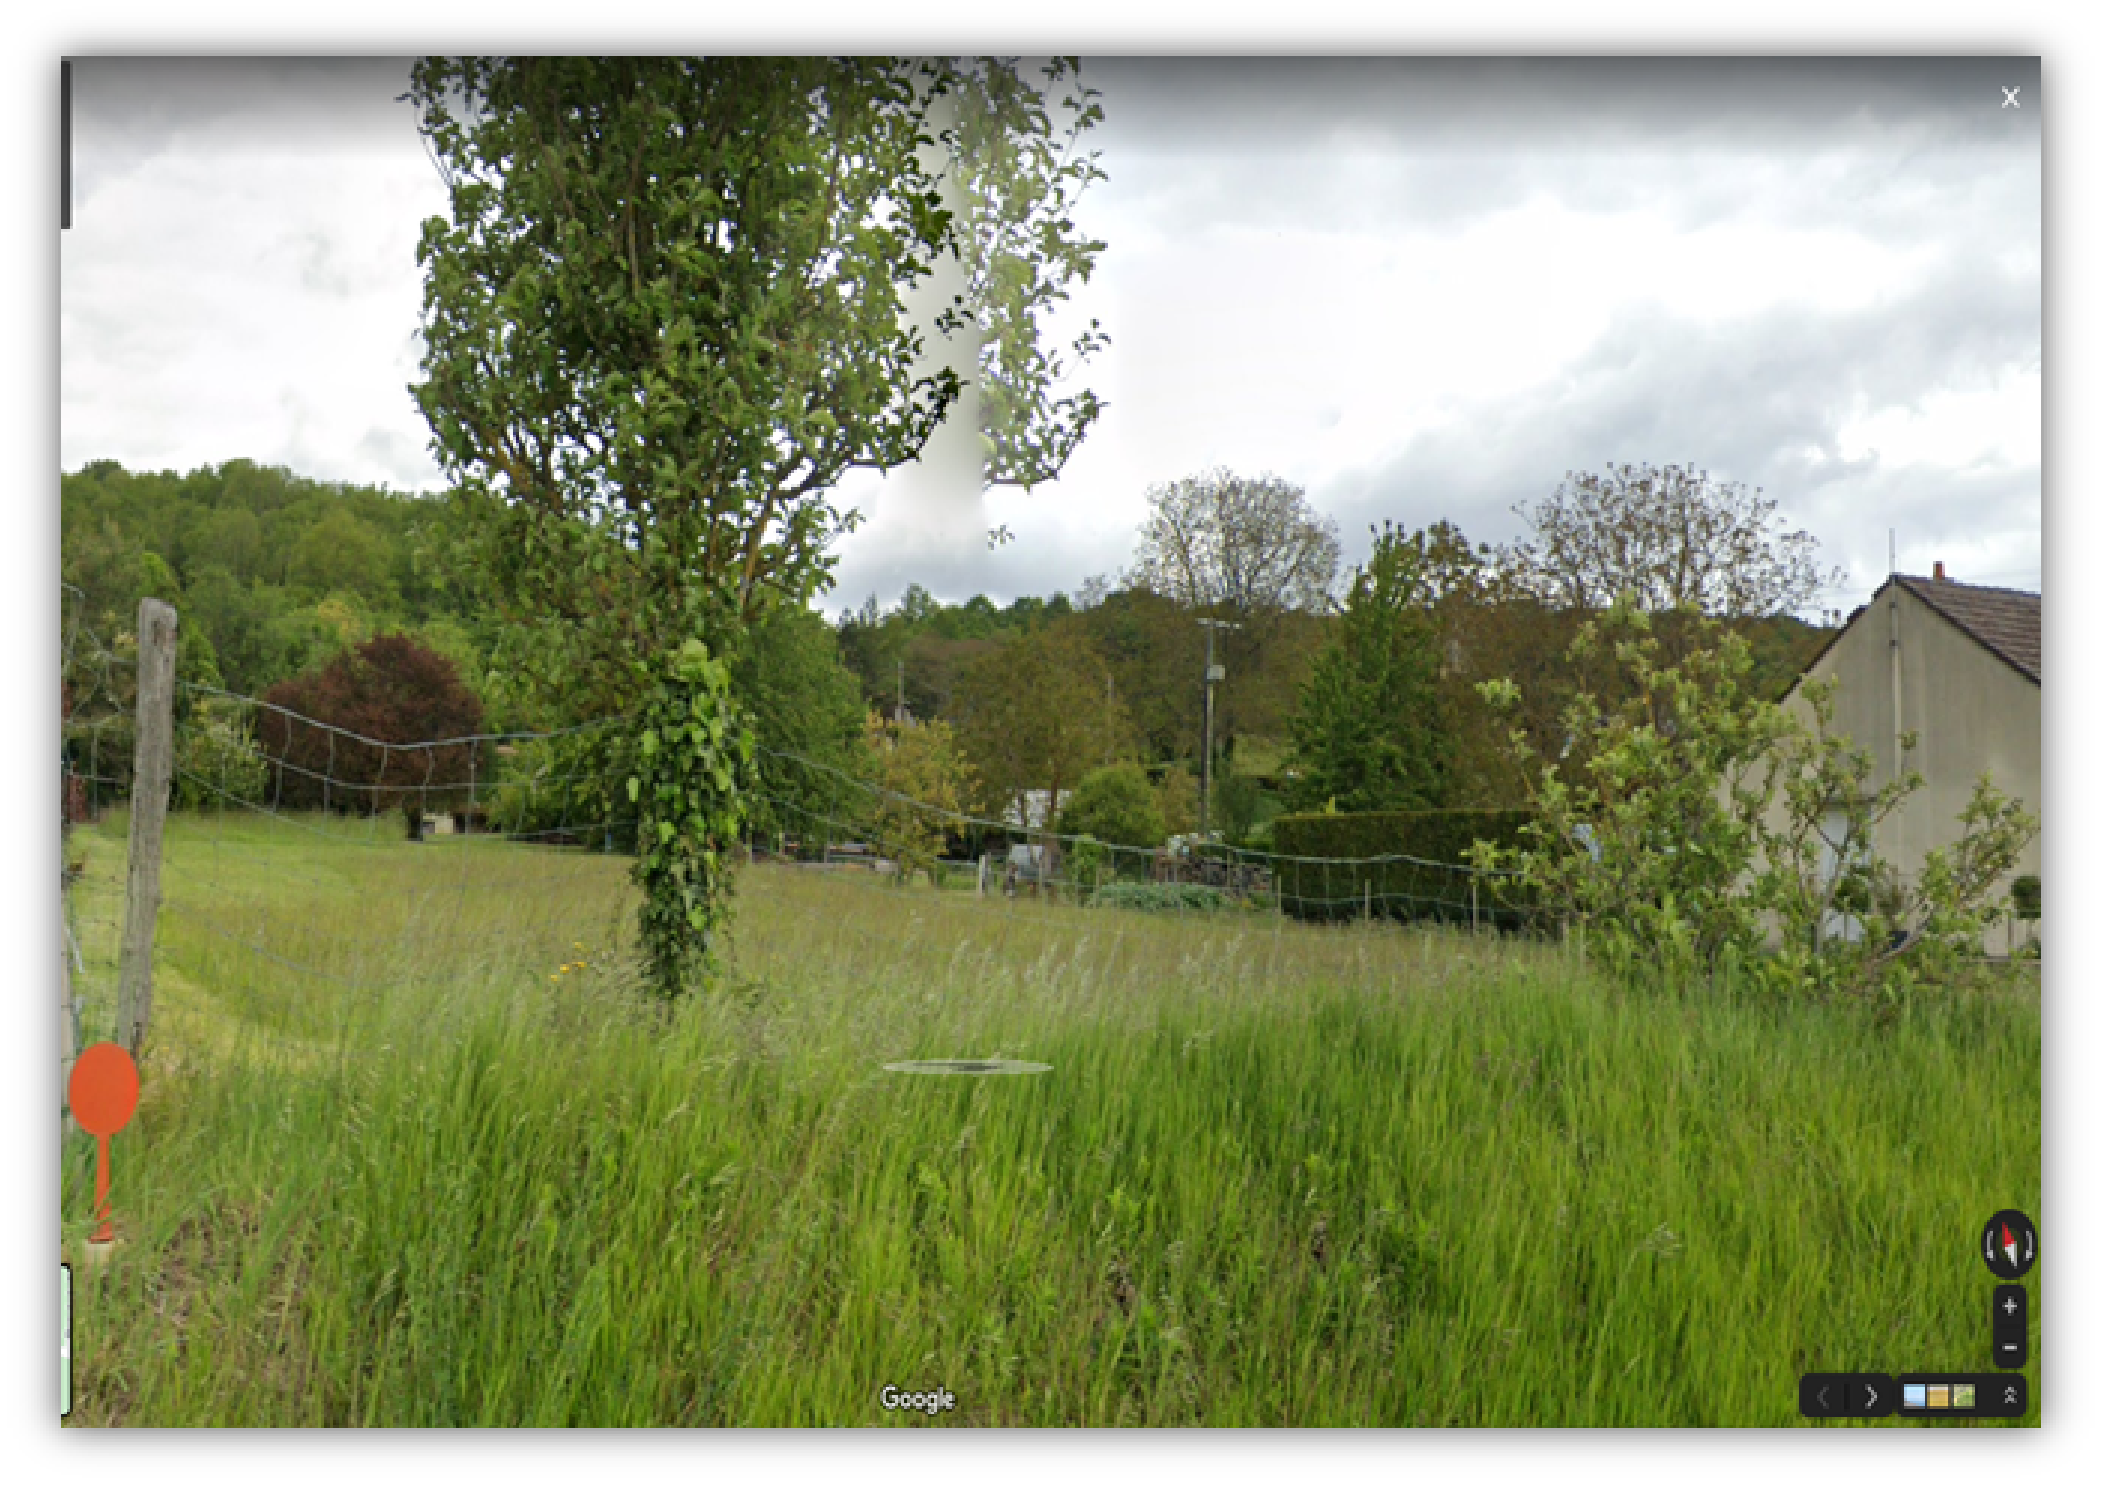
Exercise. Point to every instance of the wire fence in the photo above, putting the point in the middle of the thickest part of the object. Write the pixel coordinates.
(292, 897)
(1186, 874)
(311, 869)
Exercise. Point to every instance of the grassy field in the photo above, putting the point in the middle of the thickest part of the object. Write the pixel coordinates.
(410, 1153)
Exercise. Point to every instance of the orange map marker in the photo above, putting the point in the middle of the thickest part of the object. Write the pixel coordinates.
(103, 1092)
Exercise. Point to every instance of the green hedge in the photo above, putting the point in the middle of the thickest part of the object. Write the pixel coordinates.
(1159, 897)
(1444, 838)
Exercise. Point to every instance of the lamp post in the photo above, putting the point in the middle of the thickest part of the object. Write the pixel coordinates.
(1208, 681)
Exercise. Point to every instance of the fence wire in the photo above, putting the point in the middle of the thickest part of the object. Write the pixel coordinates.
(298, 894)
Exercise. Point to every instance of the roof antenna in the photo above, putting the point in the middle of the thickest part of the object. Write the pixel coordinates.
(1891, 545)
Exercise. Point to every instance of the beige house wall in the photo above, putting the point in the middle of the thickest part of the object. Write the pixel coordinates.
(1971, 711)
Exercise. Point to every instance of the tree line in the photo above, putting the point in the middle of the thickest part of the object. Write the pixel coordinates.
(1356, 691)
(1359, 692)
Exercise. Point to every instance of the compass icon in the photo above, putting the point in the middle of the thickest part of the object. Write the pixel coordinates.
(2009, 1245)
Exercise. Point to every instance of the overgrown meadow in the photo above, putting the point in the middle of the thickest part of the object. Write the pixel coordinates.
(413, 1150)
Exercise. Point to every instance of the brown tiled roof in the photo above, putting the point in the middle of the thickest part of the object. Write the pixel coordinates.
(2006, 623)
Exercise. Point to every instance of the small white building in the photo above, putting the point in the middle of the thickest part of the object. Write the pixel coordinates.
(1033, 808)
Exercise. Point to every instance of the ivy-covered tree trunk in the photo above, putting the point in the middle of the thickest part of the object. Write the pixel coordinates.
(689, 784)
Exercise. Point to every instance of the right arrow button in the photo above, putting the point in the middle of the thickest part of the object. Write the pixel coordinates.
(1872, 1394)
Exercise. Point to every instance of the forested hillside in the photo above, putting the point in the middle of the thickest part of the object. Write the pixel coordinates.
(271, 573)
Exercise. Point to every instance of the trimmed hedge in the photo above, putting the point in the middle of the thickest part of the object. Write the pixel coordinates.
(1444, 838)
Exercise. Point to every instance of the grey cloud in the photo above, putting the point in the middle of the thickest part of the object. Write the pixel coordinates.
(1895, 189)
(1911, 157)
(1301, 106)
(130, 110)
(1762, 401)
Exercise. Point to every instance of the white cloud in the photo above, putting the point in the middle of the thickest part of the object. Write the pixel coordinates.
(1954, 426)
(244, 290)
(1421, 309)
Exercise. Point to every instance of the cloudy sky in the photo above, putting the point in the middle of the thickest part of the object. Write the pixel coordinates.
(1419, 289)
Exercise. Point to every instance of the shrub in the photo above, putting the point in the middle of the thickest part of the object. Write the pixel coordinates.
(2024, 898)
(1116, 805)
(1089, 864)
(563, 790)
(1635, 841)
(1330, 880)
(1239, 805)
(1153, 896)
(1687, 835)
(1178, 799)
(925, 786)
(217, 762)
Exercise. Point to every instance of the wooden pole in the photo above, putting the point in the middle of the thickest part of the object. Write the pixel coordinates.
(69, 1036)
(152, 760)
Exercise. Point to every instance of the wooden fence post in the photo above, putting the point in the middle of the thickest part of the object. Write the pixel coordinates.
(69, 1037)
(153, 754)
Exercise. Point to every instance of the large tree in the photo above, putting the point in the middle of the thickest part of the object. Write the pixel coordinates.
(1252, 550)
(1246, 545)
(1670, 536)
(1036, 715)
(666, 314)
(1151, 649)
(1368, 734)
(806, 711)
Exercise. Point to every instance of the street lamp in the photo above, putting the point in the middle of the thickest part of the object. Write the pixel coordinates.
(1213, 676)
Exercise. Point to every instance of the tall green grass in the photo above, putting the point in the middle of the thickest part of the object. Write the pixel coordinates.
(1276, 1175)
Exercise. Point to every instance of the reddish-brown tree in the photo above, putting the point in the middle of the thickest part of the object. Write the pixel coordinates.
(382, 725)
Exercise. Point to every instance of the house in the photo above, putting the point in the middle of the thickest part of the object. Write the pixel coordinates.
(1958, 665)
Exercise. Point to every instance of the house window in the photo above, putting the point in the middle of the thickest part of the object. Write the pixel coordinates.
(1833, 831)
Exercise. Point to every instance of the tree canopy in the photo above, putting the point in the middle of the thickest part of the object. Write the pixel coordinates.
(1367, 736)
(666, 314)
(1246, 544)
(1036, 716)
(390, 689)
(271, 573)
(1671, 537)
